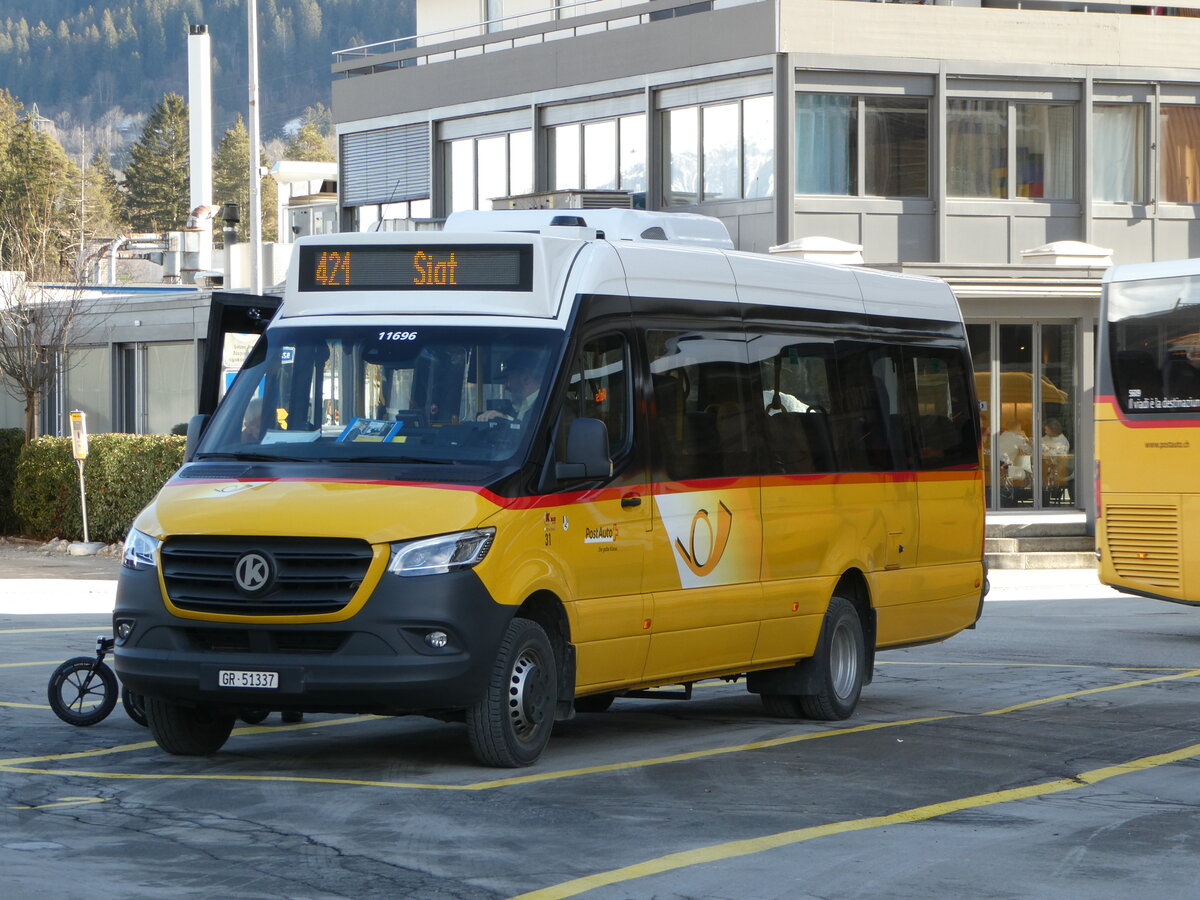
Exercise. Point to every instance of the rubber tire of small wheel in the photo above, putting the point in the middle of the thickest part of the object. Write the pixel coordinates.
(253, 716)
(135, 706)
(102, 677)
(187, 731)
(509, 725)
(841, 660)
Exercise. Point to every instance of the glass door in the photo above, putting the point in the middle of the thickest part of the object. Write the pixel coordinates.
(1025, 375)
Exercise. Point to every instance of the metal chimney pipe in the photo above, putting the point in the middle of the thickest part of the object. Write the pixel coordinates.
(200, 134)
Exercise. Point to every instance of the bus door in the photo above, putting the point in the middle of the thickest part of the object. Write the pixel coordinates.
(235, 322)
(876, 492)
(703, 569)
(602, 534)
(945, 433)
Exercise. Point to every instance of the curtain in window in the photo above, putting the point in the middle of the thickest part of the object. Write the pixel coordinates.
(1179, 154)
(1118, 166)
(826, 149)
(1045, 151)
(977, 148)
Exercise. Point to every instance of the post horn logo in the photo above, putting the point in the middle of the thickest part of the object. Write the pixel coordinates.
(718, 538)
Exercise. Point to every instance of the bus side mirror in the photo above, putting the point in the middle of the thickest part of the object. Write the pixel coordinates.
(196, 426)
(587, 452)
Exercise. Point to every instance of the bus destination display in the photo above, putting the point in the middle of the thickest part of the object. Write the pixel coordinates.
(434, 267)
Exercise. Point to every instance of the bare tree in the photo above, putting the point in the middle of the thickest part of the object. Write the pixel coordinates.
(41, 302)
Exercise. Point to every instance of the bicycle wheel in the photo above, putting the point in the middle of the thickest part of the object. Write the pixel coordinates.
(82, 691)
(135, 706)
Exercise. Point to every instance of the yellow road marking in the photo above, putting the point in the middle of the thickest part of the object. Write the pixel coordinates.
(733, 849)
(22, 705)
(144, 745)
(67, 801)
(92, 628)
(20, 764)
(52, 662)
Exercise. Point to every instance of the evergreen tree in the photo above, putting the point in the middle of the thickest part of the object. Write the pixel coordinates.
(157, 191)
(39, 192)
(309, 144)
(231, 180)
(104, 212)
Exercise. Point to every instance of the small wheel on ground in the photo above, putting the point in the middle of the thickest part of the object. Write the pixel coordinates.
(511, 723)
(291, 717)
(82, 691)
(594, 703)
(135, 706)
(186, 730)
(253, 716)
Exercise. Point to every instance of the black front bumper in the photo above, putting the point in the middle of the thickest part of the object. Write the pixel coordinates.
(377, 661)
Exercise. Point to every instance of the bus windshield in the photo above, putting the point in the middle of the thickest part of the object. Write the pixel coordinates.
(1154, 343)
(384, 393)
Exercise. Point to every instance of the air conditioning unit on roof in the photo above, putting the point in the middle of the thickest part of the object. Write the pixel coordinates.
(567, 200)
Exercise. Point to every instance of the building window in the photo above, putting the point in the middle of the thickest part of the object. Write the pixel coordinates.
(482, 169)
(1179, 156)
(895, 158)
(978, 136)
(606, 154)
(1119, 152)
(720, 151)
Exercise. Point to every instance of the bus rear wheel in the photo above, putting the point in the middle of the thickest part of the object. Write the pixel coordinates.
(510, 724)
(840, 663)
(187, 731)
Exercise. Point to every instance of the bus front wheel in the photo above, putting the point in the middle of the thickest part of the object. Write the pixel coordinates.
(840, 663)
(510, 724)
(187, 731)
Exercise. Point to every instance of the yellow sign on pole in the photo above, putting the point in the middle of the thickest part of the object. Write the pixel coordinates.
(79, 446)
(79, 440)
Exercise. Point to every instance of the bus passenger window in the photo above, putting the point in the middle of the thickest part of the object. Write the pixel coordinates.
(796, 401)
(943, 431)
(705, 424)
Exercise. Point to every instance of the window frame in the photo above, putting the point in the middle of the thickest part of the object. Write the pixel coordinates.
(667, 190)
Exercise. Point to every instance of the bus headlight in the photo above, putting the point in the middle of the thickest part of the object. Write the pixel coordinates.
(139, 550)
(433, 556)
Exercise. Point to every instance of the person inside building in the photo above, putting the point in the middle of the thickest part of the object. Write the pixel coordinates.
(1015, 454)
(1054, 442)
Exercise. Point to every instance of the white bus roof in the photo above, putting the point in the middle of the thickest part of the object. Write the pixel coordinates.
(1175, 268)
(693, 262)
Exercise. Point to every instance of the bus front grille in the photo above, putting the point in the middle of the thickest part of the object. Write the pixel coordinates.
(1143, 543)
(306, 576)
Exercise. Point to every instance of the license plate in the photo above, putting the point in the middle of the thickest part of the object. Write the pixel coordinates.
(236, 678)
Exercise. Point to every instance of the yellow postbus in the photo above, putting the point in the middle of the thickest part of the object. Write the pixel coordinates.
(518, 468)
(1148, 430)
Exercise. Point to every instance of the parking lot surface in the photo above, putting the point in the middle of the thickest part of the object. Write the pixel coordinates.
(1052, 752)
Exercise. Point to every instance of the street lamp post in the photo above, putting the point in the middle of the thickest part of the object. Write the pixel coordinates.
(256, 276)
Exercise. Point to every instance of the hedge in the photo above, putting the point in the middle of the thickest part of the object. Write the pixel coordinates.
(123, 472)
(11, 441)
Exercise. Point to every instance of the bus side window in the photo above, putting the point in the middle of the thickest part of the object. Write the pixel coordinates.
(943, 431)
(599, 388)
(858, 425)
(705, 420)
(796, 402)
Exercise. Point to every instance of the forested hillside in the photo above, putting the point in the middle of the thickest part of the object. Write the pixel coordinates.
(84, 63)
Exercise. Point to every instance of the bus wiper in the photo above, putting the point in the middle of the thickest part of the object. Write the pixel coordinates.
(252, 457)
(390, 459)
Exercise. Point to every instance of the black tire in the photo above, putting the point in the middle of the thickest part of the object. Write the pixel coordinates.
(783, 706)
(594, 703)
(82, 691)
(135, 706)
(253, 716)
(187, 731)
(291, 717)
(841, 660)
(509, 726)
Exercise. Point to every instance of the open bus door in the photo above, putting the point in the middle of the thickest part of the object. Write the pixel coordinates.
(235, 322)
